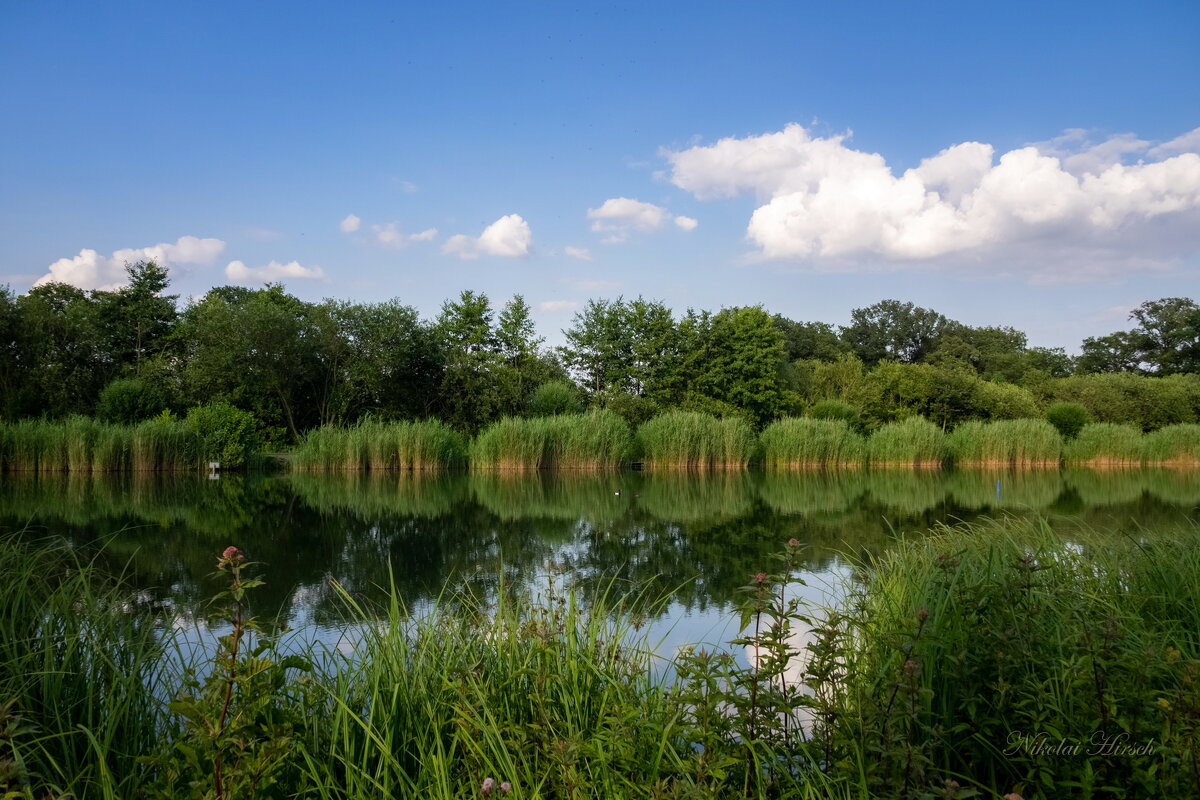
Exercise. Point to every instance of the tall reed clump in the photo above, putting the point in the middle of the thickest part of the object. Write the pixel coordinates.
(80, 677)
(1106, 444)
(375, 445)
(912, 442)
(1174, 446)
(1020, 443)
(694, 440)
(164, 444)
(1096, 644)
(594, 440)
(801, 442)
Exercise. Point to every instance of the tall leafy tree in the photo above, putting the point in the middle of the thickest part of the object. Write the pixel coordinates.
(1117, 352)
(599, 348)
(745, 364)
(136, 320)
(1168, 335)
(893, 331)
(809, 340)
(472, 391)
(260, 349)
(65, 364)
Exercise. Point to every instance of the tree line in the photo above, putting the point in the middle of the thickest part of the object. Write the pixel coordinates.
(134, 352)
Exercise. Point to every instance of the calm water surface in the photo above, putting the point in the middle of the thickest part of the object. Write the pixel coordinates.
(698, 537)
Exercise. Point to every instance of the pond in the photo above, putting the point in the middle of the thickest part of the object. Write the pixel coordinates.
(697, 537)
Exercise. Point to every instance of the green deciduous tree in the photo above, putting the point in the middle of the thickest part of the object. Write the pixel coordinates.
(894, 331)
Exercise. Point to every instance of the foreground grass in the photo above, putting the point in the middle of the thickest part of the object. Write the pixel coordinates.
(948, 670)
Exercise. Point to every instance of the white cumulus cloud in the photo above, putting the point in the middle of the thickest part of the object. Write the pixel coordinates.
(686, 223)
(350, 224)
(829, 205)
(508, 236)
(91, 270)
(238, 272)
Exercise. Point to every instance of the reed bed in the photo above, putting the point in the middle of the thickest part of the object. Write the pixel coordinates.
(1106, 444)
(1019, 443)
(82, 444)
(595, 440)
(806, 443)
(913, 442)
(381, 446)
(694, 440)
(1174, 446)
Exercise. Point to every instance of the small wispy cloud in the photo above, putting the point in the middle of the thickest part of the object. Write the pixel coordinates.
(580, 253)
(350, 224)
(618, 217)
(558, 305)
(238, 272)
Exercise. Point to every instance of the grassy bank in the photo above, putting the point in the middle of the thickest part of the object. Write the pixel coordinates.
(692, 440)
(556, 699)
(591, 441)
(375, 445)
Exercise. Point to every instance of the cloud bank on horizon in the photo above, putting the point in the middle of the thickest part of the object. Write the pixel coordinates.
(1079, 206)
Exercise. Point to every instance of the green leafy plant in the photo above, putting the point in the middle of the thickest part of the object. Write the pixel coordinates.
(238, 720)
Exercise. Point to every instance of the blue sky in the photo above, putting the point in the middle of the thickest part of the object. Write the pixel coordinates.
(1029, 164)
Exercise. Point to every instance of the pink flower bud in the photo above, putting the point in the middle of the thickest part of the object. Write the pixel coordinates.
(760, 577)
(486, 788)
(793, 542)
(233, 554)
(506, 787)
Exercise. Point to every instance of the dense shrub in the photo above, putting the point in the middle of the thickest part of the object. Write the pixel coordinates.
(1004, 401)
(836, 410)
(1069, 418)
(226, 434)
(555, 397)
(129, 400)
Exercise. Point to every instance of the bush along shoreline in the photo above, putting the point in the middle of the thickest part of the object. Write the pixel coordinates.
(592, 440)
(891, 692)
